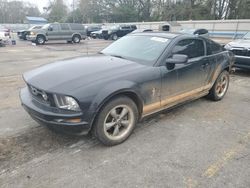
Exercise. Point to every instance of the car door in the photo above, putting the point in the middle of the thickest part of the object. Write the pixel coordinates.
(66, 32)
(54, 32)
(194, 74)
(214, 56)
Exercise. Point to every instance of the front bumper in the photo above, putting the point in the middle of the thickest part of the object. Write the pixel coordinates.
(51, 116)
(31, 37)
(242, 61)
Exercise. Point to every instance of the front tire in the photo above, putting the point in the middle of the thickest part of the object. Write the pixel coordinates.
(25, 36)
(40, 39)
(116, 121)
(220, 87)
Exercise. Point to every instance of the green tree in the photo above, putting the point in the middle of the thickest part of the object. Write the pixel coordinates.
(57, 11)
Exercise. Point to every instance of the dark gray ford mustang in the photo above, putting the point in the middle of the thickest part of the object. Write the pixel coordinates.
(136, 76)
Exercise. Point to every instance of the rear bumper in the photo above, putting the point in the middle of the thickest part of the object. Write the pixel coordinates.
(242, 62)
(47, 116)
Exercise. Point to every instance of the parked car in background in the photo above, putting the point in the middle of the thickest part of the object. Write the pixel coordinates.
(116, 31)
(241, 49)
(142, 30)
(136, 76)
(96, 34)
(71, 32)
(92, 28)
(22, 34)
(4, 33)
(201, 32)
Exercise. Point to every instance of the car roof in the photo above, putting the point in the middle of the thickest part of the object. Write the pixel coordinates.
(159, 34)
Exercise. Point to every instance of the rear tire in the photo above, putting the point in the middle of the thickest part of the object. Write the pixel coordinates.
(220, 87)
(116, 121)
(76, 39)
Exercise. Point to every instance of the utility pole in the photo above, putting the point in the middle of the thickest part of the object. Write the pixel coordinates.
(73, 12)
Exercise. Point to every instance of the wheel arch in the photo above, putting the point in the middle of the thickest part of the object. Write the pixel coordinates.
(128, 93)
(76, 34)
(43, 35)
(102, 99)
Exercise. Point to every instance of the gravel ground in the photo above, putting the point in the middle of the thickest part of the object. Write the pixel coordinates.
(199, 144)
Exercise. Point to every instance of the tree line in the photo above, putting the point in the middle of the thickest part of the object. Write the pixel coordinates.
(15, 11)
(100, 11)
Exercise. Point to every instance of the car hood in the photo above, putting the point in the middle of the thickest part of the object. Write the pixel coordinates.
(242, 43)
(69, 75)
(97, 32)
(38, 30)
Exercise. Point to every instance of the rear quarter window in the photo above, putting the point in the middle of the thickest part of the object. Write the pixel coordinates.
(77, 27)
(125, 27)
(213, 47)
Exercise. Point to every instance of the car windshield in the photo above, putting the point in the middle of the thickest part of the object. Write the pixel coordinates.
(247, 36)
(46, 26)
(143, 49)
(35, 27)
(114, 27)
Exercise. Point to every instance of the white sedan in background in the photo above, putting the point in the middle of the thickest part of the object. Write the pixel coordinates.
(4, 33)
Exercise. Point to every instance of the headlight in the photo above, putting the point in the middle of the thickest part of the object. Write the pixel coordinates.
(228, 47)
(65, 102)
(32, 33)
(109, 32)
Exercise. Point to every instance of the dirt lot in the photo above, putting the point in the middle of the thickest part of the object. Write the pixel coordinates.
(200, 144)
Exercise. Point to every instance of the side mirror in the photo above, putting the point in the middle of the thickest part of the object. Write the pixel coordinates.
(177, 59)
(50, 28)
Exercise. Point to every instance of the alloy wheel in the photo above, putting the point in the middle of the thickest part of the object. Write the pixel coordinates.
(221, 86)
(40, 40)
(118, 122)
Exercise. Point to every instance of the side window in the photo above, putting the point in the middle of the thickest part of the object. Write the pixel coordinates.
(125, 27)
(64, 26)
(133, 27)
(77, 27)
(213, 48)
(55, 27)
(190, 47)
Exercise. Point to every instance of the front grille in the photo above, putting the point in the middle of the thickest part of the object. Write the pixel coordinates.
(241, 52)
(40, 95)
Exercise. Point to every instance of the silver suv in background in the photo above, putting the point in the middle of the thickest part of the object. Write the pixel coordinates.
(241, 50)
(71, 32)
